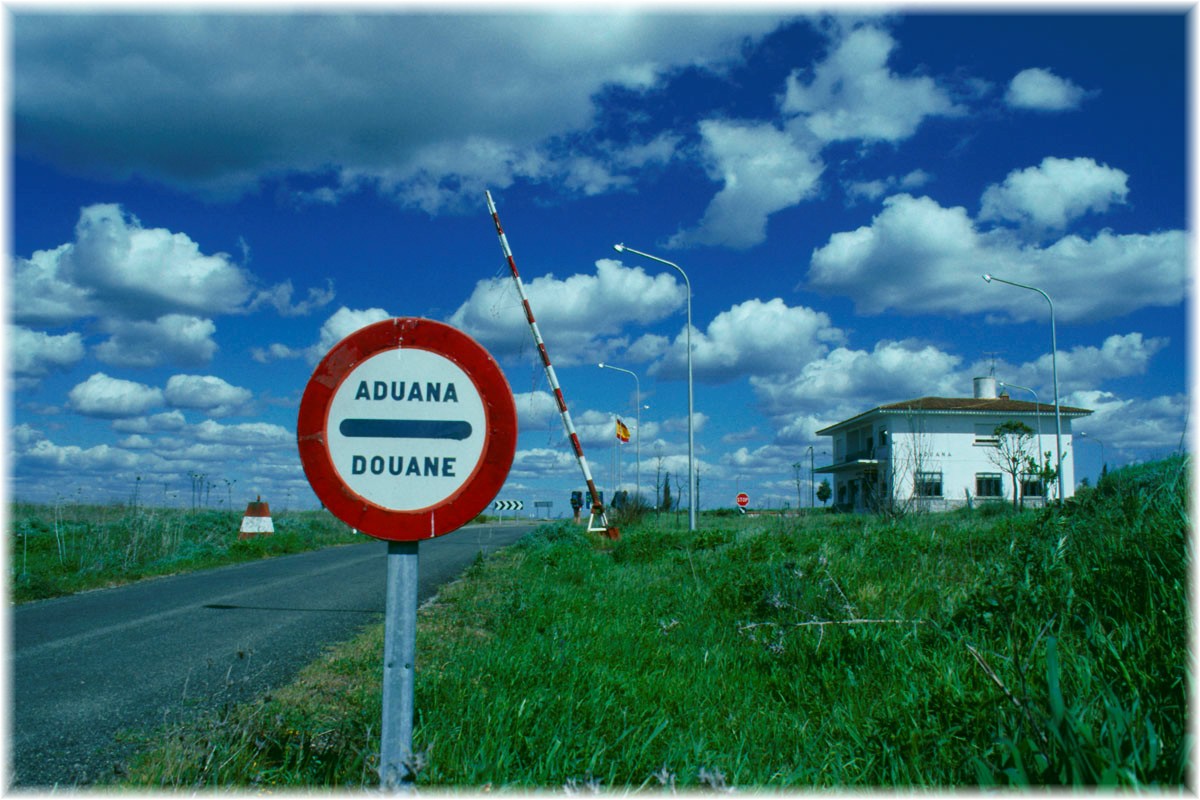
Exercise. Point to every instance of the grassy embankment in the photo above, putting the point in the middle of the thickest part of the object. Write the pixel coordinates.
(66, 548)
(839, 651)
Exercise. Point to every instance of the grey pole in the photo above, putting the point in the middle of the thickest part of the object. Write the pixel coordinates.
(812, 478)
(637, 386)
(1054, 370)
(1084, 435)
(399, 668)
(620, 248)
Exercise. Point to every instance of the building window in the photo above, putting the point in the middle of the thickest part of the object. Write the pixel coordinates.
(989, 484)
(1032, 486)
(985, 436)
(928, 484)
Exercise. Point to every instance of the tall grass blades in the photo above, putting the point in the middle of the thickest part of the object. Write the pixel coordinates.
(66, 548)
(1095, 639)
(954, 650)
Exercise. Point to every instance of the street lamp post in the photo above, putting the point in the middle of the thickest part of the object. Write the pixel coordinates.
(620, 248)
(1083, 435)
(812, 479)
(638, 439)
(1054, 369)
(799, 499)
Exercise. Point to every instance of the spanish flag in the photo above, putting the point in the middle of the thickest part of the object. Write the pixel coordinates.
(622, 431)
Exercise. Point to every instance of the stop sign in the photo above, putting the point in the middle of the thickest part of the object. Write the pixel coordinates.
(743, 499)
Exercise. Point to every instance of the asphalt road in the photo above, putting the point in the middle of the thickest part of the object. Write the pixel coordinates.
(93, 671)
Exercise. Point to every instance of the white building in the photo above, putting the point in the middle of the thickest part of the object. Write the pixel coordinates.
(937, 453)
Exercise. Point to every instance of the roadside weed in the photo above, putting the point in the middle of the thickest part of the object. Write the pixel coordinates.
(1039, 648)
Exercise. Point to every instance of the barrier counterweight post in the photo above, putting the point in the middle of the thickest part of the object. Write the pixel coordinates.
(597, 506)
(396, 765)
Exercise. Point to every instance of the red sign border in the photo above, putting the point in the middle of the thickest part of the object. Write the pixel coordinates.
(489, 473)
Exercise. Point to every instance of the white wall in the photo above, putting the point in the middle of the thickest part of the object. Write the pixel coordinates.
(947, 443)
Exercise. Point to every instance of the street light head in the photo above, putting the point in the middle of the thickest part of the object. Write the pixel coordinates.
(600, 365)
(988, 277)
(620, 248)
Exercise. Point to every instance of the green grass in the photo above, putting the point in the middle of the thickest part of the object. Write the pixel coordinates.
(66, 548)
(953, 650)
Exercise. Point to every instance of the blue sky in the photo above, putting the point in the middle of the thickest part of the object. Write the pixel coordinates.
(203, 204)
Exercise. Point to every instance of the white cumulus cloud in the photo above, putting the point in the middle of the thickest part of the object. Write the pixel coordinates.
(185, 102)
(34, 354)
(151, 290)
(245, 433)
(854, 95)
(80, 460)
(103, 396)
(762, 170)
(917, 257)
(851, 381)
(1132, 425)
(344, 322)
(537, 411)
(877, 188)
(752, 338)
(765, 167)
(144, 272)
(1119, 356)
(1041, 90)
(206, 393)
(338, 326)
(540, 462)
(1055, 193)
(164, 422)
(578, 316)
(178, 339)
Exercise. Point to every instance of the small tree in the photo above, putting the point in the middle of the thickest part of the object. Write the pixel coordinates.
(666, 493)
(678, 495)
(697, 488)
(658, 473)
(1012, 455)
(1046, 473)
(824, 492)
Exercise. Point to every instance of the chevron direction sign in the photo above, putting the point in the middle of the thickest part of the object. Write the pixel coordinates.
(407, 429)
(508, 505)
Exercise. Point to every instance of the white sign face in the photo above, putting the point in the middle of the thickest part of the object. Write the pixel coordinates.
(406, 429)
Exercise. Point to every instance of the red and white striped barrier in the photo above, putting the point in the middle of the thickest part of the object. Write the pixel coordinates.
(597, 506)
(257, 520)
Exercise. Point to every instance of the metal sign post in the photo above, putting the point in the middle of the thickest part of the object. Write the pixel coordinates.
(407, 430)
(397, 769)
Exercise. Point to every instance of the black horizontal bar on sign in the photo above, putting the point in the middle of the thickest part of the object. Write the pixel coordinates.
(405, 429)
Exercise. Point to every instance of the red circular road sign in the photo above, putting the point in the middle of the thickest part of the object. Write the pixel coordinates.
(743, 499)
(407, 429)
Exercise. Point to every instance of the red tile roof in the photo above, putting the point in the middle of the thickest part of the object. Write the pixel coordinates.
(1001, 404)
(977, 405)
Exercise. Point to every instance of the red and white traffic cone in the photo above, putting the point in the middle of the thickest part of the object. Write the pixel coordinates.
(257, 520)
